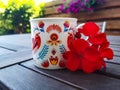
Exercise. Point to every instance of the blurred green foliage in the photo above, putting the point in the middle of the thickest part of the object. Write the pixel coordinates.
(15, 16)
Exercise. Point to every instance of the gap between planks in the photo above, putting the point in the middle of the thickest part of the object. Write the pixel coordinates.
(55, 78)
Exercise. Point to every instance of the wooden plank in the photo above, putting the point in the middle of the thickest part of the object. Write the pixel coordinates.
(51, 7)
(112, 70)
(114, 40)
(51, 10)
(112, 25)
(98, 15)
(115, 60)
(13, 58)
(5, 51)
(53, 3)
(113, 32)
(12, 47)
(3, 87)
(115, 47)
(117, 53)
(16, 40)
(109, 4)
(20, 78)
(90, 81)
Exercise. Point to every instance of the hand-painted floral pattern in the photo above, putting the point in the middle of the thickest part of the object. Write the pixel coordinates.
(41, 26)
(54, 27)
(45, 63)
(36, 42)
(66, 26)
(43, 52)
(53, 60)
(54, 40)
(53, 52)
(62, 63)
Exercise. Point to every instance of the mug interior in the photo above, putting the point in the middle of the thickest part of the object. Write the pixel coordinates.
(60, 18)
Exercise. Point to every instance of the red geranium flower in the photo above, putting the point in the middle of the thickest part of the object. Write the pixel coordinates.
(82, 56)
(90, 28)
(104, 45)
(88, 55)
(97, 39)
(106, 53)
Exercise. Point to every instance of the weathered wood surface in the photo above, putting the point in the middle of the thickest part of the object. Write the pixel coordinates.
(14, 49)
(5, 51)
(14, 58)
(109, 12)
(16, 41)
(18, 72)
(88, 81)
(20, 78)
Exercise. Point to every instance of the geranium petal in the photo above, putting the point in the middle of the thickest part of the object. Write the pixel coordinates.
(100, 63)
(87, 66)
(90, 28)
(67, 54)
(91, 54)
(104, 45)
(95, 46)
(79, 46)
(106, 53)
(97, 39)
(73, 63)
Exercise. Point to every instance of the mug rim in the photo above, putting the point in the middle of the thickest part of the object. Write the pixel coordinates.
(56, 18)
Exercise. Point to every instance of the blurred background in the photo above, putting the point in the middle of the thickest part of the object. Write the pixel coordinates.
(15, 14)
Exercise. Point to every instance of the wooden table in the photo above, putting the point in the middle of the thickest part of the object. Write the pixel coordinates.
(17, 70)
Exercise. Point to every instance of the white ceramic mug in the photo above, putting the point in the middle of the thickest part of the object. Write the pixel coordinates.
(50, 39)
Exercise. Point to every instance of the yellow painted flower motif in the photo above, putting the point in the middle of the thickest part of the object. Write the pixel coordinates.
(53, 60)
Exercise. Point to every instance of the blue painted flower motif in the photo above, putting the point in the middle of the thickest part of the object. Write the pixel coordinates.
(43, 52)
(62, 48)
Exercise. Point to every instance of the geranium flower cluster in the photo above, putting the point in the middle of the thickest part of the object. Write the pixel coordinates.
(76, 6)
(88, 55)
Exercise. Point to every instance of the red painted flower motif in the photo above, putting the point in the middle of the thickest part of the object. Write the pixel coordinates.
(53, 51)
(54, 37)
(54, 40)
(62, 63)
(36, 42)
(53, 27)
(45, 63)
(66, 24)
(41, 24)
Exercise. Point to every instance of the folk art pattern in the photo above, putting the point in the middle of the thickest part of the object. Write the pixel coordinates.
(53, 45)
